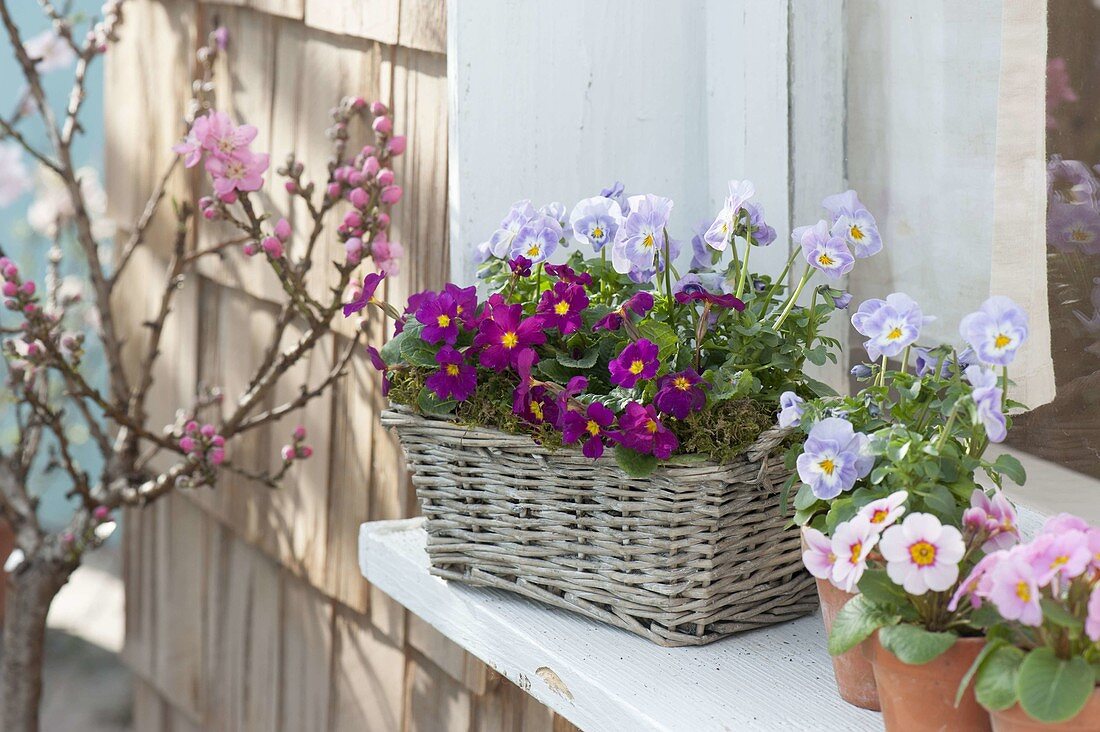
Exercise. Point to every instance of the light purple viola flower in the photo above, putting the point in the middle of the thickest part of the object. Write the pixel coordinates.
(860, 232)
(500, 243)
(641, 235)
(791, 409)
(559, 213)
(617, 193)
(595, 221)
(762, 233)
(834, 457)
(890, 325)
(842, 204)
(842, 300)
(538, 239)
(824, 252)
(1074, 228)
(987, 398)
(1070, 181)
(719, 233)
(702, 256)
(996, 331)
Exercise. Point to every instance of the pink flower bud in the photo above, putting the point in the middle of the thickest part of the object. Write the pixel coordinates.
(4, 263)
(341, 174)
(101, 513)
(367, 150)
(358, 197)
(249, 248)
(358, 103)
(11, 272)
(334, 190)
(191, 426)
(230, 197)
(209, 214)
(221, 37)
(291, 187)
(355, 178)
(10, 289)
(206, 202)
(282, 229)
(288, 453)
(217, 456)
(383, 219)
(67, 538)
(354, 250)
(208, 431)
(187, 444)
(378, 109)
(305, 452)
(28, 288)
(217, 441)
(30, 308)
(353, 220)
(391, 194)
(273, 247)
(385, 177)
(396, 145)
(371, 166)
(299, 433)
(382, 125)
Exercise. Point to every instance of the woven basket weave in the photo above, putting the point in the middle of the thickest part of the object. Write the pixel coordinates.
(683, 557)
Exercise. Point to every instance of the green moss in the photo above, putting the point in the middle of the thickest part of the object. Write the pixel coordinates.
(721, 432)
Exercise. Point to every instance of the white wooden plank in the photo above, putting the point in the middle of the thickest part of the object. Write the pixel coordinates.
(602, 678)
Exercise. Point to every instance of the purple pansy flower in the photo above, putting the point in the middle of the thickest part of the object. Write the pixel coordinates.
(860, 231)
(719, 232)
(842, 300)
(505, 334)
(370, 284)
(455, 378)
(440, 318)
(834, 457)
(559, 213)
(1070, 181)
(636, 362)
(641, 430)
(791, 408)
(617, 193)
(592, 426)
(702, 256)
(890, 325)
(1074, 228)
(695, 292)
(842, 204)
(500, 243)
(680, 394)
(520, 266)
(641, 234)
(987, 398)
(824, 252)
(561, 307)
(762, 233)
(996, 331)
(538, 239)
(595, 221)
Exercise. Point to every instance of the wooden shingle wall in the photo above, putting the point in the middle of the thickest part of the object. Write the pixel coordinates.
(245, 607)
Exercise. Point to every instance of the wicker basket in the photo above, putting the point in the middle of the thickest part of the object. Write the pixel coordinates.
(684, 557)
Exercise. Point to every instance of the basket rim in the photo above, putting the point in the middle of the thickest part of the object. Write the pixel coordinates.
(762, 446)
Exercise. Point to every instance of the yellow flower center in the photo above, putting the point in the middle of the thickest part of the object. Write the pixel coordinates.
(651, 426)
(894, 334)
(592, 427)
(637, 366)
(1001, 341)
(922, 553)
(648, 241)
(1059, 562)
(561, 308)
(825, 260)
(827, 466)
(443, 320)
(856, 551)
(1023, 591)
(597, 233)
(509, 340)
(536, 409)
(1080, 235)
(452, 369)
(533, 251)
(681, 383)
(855, 232)
(879, 516)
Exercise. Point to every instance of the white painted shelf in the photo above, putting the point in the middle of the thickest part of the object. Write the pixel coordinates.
(602, 678)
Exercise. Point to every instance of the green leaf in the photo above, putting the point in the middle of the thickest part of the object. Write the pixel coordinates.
(915, 645)
(391, 351)
(995, 685)
(660, 333)
(991, 645)
(805, 498)
(1053, 689)
(854, 624)
(419, 352)
(633, 463)
(940, 501)
(1010, 467)
(880, 589)
(586, 361)
(429, 403)
(819, 388)
(1057, 614)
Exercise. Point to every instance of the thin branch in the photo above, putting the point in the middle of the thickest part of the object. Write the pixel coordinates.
(137, 236)
(8, 131)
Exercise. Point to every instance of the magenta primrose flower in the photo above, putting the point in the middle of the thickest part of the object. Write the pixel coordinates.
(565, 273)
(636, 362)
(692, 293)
(592, 426)
(465, 302)
(440, 318)
(641, 430)
(377, 362)
(455, 378)
(561, 307)
(639, 303)
(680, 394)
(366, 294)
(505, 334)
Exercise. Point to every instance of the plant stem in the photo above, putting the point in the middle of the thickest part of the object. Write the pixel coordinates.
(881, 381)
(1004, 389)
(794, 296)
(905, 360)
(775, 283)
(668, 281)
(744, 265)
(947, 427)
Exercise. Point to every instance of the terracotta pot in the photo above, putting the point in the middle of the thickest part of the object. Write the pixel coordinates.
(1015, 719)
(922, 698)
(855, 679)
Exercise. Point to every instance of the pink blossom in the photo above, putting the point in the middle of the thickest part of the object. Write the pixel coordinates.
(101, 513)
(282, 229)
(1093, 538)
(299, 433)
(1064, 555)
(225, 139)
(273, 247)
(1064, 522)
(217, 456)
(192, 146)
(353, 249)
(242, 172)
(1015, 592)
(818, 557)
(334, 189)
(396, 145)
(993, 515)
(378, 109)
(288, 453)
(371, 166)
(978, 584)
(885, 511)
(49, 51)
(187, 444)
(221, 37)
(15, 179)
(385, 177)
(852, 543)
(922, 554)
(391, 195)
(359, 198)
(382, 125)
(1092, 622)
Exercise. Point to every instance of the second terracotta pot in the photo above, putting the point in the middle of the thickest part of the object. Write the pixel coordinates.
(1014, 719)
(922, 698)
(854, 678)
